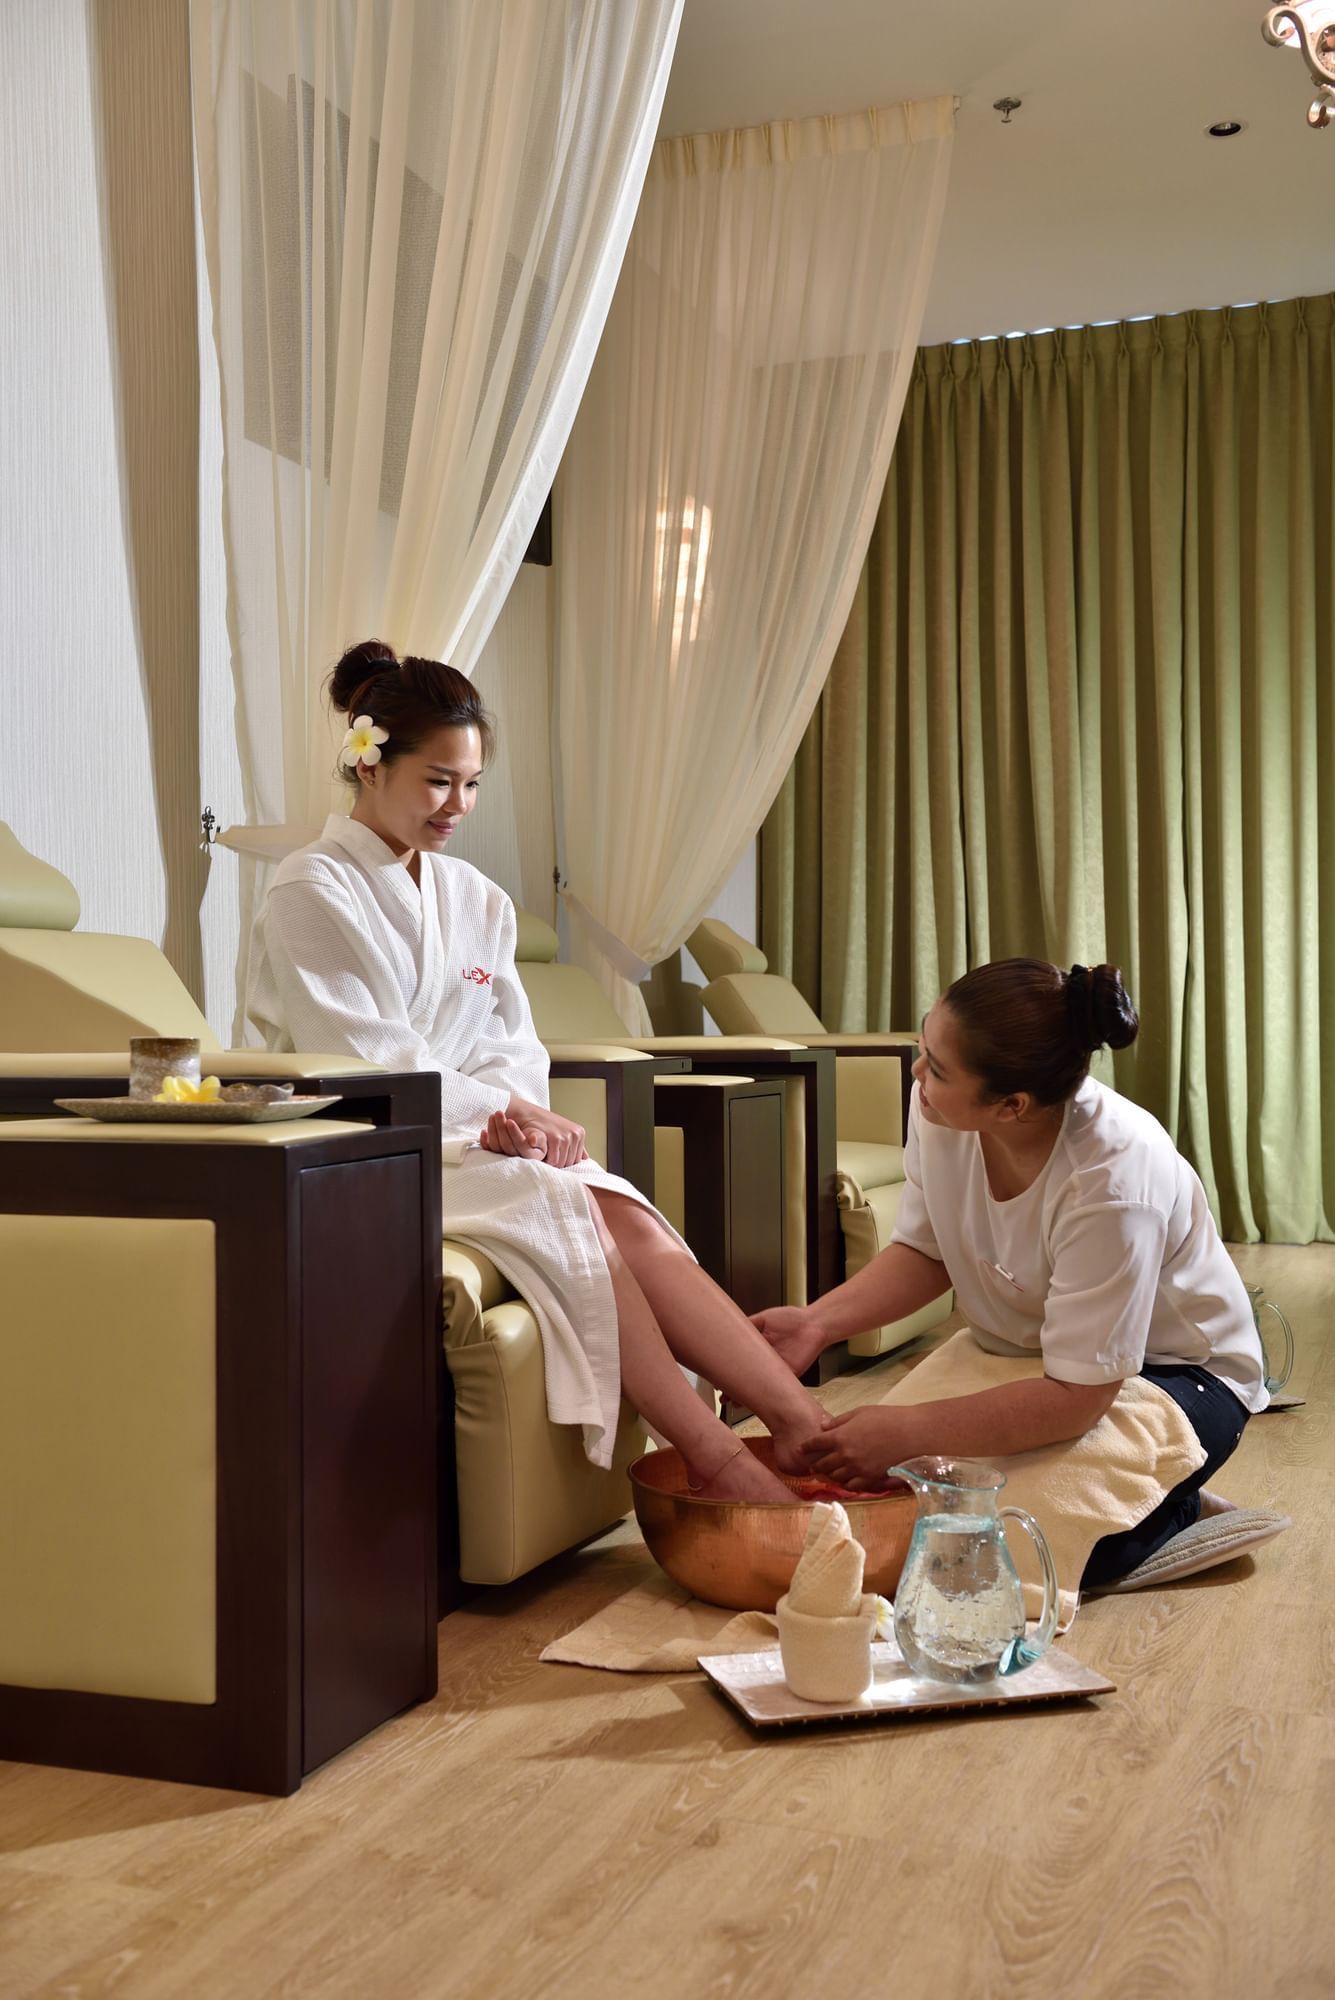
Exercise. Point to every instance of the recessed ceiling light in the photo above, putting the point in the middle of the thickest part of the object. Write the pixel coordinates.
(1225, 128)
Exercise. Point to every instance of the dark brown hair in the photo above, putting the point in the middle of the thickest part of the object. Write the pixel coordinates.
(1026, 1025)
(408, 698)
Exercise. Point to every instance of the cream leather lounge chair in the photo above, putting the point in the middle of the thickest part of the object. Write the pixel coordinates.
(69, 1002)
(872, 1082)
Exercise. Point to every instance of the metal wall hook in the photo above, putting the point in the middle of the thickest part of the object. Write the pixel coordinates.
(209, 828)
(1005, 105)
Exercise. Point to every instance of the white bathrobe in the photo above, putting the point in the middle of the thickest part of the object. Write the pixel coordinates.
(356, 959)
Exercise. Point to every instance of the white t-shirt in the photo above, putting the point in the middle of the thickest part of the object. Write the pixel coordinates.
(1110, 1260)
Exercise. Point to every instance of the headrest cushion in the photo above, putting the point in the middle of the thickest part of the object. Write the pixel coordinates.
(537, 943)
(719, 950)
(34, 896)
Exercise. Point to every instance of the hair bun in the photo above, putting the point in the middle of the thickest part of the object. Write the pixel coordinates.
(359, 665)
(1102, 1007)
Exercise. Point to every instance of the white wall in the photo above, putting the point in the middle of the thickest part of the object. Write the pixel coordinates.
(75, 780)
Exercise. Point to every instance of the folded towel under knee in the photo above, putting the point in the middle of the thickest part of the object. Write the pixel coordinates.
(1092, 1486)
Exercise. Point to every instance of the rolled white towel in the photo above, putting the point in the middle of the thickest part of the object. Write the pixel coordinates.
(827, 1659)
(826, 1624)
(827, 1582)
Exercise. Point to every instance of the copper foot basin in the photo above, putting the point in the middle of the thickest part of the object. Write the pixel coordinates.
(742, 1553)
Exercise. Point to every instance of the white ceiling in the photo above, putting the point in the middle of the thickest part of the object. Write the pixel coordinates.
(1103, 198)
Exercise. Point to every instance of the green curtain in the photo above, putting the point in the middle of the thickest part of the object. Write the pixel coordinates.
(1084, 709)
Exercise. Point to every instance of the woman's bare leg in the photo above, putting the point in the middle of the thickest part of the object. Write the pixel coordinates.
(702, 1327)
(655, 1385)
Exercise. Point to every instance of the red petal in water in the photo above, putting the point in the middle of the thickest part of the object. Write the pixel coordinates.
(809, 1487)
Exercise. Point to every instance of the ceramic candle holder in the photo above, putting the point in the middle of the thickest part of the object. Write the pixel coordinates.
(153, 1058)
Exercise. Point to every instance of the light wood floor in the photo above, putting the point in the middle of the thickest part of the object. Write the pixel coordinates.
(553, 1830)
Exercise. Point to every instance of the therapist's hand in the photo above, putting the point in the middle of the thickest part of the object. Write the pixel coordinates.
(795, 1334)
(858, 1448)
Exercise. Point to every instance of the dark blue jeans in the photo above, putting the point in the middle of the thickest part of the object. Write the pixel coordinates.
(1218, 1419)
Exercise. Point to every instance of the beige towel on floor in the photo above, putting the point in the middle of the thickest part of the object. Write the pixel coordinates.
(658, 1628)
(1096, 1485)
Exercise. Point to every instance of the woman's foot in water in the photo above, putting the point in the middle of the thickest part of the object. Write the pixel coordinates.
(793, 1430)
(740, 1476)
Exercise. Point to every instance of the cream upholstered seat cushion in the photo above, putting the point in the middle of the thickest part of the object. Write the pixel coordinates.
(472, 1286)
(88, 990)
(108, 1454)
(526, 1490)
(33, 895)
(759, 1003)
(719, 950)
(743, 996)
(535, 941)
(67, 989)
(867, 1217)
(868, 1167)
(867, 1225)
(568, 1004)
(869, 1096)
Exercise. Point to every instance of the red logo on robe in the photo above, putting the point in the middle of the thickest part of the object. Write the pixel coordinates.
(478, 976)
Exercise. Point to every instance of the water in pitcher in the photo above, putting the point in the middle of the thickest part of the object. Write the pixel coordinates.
(959, 1606)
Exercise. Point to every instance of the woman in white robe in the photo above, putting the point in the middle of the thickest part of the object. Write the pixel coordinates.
(375, 944)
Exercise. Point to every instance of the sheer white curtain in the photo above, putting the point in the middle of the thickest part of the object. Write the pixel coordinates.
(717, 497)
(415, 212)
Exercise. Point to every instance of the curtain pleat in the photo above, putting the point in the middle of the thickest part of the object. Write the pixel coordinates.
(1084, 708)
(140, 63)
(714, 506)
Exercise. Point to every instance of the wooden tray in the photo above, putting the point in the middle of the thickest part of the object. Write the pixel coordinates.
(147, 1111)
(754, 1683)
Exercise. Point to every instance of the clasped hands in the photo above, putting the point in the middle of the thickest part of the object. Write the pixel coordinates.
(528, 1131)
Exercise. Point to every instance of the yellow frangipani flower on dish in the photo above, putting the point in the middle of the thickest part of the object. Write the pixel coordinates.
(362, 743)
(180, 1090)
(885, 1618)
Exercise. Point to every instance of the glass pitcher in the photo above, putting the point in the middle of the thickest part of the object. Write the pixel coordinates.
(959, 1608)
(1275, 1377)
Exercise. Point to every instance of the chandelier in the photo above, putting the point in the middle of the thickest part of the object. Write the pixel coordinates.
(1309, 26)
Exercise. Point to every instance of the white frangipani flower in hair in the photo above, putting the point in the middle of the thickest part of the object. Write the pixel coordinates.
(362, 743)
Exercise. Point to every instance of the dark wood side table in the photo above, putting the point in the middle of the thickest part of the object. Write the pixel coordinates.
(324, 1318)
(710, 1056)
(733, 1168)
